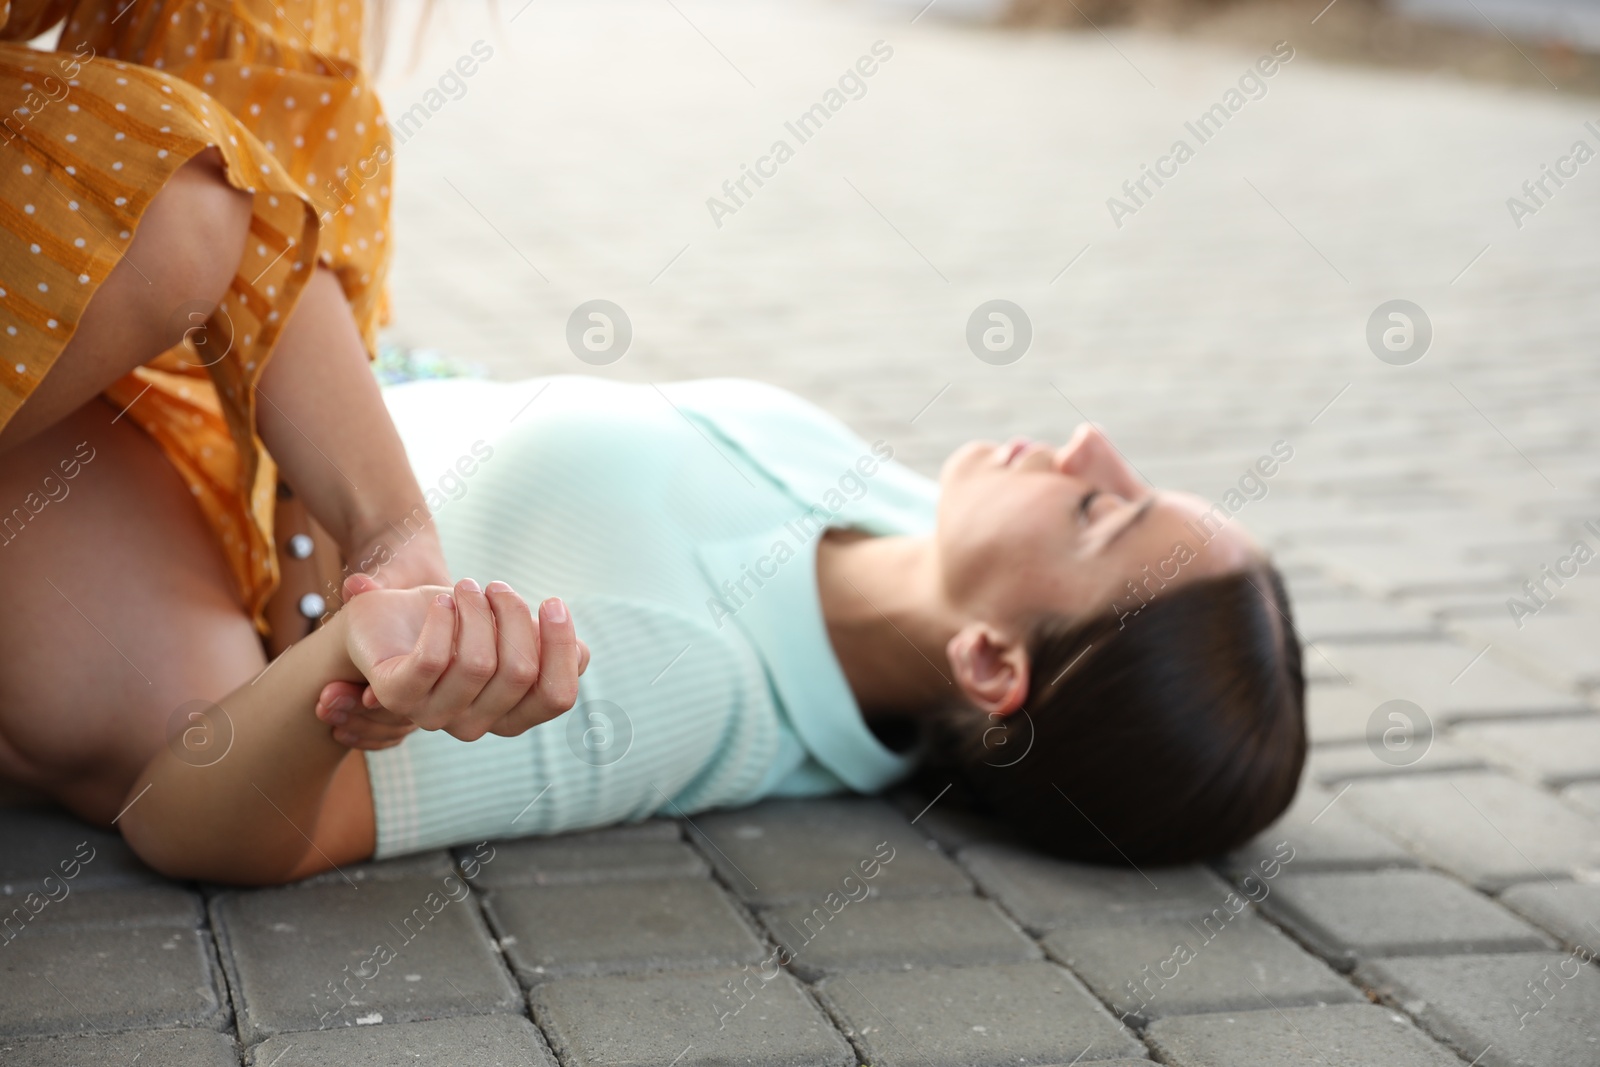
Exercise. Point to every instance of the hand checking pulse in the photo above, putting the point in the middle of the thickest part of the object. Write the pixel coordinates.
(466, 661)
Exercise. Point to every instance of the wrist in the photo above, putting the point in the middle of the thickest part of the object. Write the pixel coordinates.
(409, 549)
(335, 662)
(393, 526)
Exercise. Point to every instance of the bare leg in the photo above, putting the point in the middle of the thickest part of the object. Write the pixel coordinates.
(122, 610)
(189, 244)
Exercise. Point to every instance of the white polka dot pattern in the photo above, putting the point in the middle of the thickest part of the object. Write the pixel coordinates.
(93, 131)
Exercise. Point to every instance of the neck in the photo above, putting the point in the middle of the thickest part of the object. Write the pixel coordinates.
(887, 619)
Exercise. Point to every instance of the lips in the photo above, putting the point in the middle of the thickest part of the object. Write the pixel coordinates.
(1012, 449)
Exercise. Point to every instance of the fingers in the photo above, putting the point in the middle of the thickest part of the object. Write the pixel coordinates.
(517, 662)
(559, 666)
(366, 731)
(337, 701)
(356, 724)
(558, 656)
(412, 683)
(476, 661)
(482, 661)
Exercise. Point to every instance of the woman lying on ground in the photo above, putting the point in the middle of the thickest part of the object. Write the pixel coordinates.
(775, 608)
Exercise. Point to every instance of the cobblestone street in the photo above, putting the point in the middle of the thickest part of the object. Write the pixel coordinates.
(1432, 898)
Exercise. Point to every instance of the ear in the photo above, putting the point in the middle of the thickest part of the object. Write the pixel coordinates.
(991, 668)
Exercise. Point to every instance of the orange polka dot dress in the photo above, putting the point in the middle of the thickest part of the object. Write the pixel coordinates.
(91, 131)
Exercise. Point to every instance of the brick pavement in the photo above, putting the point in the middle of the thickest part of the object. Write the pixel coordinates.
(1442, 862)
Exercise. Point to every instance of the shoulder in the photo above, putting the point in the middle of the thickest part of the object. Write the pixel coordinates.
(813, 454)
(740, 399)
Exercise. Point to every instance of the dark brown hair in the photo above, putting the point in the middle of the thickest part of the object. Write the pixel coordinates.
(1164, 736)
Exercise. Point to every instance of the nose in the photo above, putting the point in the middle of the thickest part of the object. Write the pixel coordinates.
(1071, 457)
(1090, 455)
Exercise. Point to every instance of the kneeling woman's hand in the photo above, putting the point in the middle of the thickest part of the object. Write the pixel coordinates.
(466, 661)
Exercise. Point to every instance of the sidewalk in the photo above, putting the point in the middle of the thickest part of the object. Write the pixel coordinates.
(1434, 896)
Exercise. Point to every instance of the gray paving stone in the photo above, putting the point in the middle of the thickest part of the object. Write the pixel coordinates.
(784, 851)
(560, 861)
(1358, 618)
(1563, 647)
(1569, 910)
(1534, 1009)
(1436, 675)
(422, 865)
(1319, 670)
(1339, 712)
(1485, 828)
(1556, 751)
(472, 1041)
(624, 834)
(1351, 916)
(1586, 798)
(1306, 582)
(951, 826)
(22, 914)
(36, 843)
(1045, 893)
(618, 927)
(646, 830)
(1224, 961)
(1317, 833)
(1459, 611)
(704, 1019)
(995, 1016)
(1330, 766)
(1388, 569)
(170, 1048)
(895, 932)
(302, 958)
(1338, 1034)
(67, 981)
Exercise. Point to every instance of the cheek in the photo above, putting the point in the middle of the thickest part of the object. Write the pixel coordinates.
(1005, 544)
(961, 464)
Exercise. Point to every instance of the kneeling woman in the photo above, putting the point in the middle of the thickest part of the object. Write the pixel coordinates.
(776, 607)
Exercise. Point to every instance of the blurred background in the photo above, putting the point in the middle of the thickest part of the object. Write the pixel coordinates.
(1227, 309)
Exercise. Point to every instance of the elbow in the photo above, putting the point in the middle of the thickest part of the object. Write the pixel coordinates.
(163, 852)
(186, 859)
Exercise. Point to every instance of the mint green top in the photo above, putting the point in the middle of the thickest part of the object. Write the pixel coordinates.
(680, 523)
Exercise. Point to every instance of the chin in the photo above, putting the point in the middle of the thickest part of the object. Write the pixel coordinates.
(963, 458)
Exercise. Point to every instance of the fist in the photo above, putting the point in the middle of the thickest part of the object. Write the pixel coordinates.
(466, 660)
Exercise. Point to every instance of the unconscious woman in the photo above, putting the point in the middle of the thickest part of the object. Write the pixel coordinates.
(776, 608)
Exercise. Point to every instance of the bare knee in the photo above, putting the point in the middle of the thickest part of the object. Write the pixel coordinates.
(190, 243)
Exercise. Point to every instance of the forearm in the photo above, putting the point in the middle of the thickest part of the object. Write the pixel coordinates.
(322, 416)
(246, 817)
